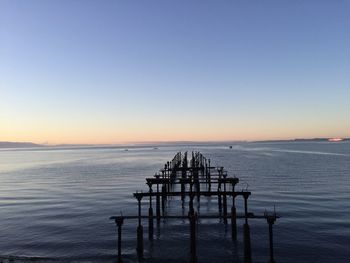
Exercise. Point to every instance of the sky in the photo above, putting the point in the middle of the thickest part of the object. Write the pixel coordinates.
(119, 71)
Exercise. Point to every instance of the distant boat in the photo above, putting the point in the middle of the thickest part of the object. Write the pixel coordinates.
(155, 148)
(126, 150)
(230, 146)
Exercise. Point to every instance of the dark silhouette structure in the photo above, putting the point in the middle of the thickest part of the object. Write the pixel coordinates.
(196, 178)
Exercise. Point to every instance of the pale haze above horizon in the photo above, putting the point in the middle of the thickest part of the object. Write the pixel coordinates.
(103, 72)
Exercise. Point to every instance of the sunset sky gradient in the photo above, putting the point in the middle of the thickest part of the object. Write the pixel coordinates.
(121, 71)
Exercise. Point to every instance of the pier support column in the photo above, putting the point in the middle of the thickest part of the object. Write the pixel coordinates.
(219, 201)
(246, 233)
(209, 176)
(219, 192)
(163, 198)
(119, 222)
(150, 214)
(140, 241)
(271, 220)
(198, 188)
(191, 209)
(224, 203)
(139, 247)
(182, 191)
(247, 244)
(150, 223)
(233, 220)
(193, 245)
(158, 202)
(246, 208)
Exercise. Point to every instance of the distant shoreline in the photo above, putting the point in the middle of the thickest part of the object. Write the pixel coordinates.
(19, 145)
(6, 144)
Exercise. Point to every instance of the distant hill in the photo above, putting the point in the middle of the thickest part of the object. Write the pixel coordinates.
(302, 140)
(18, 144)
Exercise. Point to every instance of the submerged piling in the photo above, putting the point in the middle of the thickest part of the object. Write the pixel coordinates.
(233, 220)
(139, 247)
(247, 244)
(163, 198)
(246, 233)
(271, 220)
(119, 222)
(224, 203)
(150, 213)
(158, 201)
(193, 245)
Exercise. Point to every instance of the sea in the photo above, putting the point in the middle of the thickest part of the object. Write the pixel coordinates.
(55, 203)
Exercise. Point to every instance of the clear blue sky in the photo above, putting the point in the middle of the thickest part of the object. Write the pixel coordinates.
(114, 71)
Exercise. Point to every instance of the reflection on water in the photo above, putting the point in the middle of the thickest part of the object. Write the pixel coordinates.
(55, 204)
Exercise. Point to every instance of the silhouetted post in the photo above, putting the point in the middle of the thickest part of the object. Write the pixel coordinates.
(225, 202)
(271, 220)
(163, 198)
(219, 191)
(234, 213)
(191, 209)
(183, 176)
(219, 196)
(209, 176)
(182, 190)
(206, 170)
(150, 213)
(246, 233)
(166, 176)
(119, 222)
(163, 176)
(193, 246)
(219, 201)
(139, 230)
(233, 219)
(158, 201)
(247, 246)
(168, 166)
(246, 208)
(196, 182)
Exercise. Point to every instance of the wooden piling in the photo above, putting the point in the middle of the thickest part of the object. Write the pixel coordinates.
(209, 175)
(225, 202)
(246, 233)
(150, 214)
(150, 223)
(119, 222)
(233, 220)
(246, 208)
(139, 247)
(158, 201)
(191, 209)
(271, 220)
(233, 212)
(247, 244)
(219, 201)
(163, 198)
(193, 240)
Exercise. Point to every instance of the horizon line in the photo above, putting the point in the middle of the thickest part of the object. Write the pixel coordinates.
(173, 141)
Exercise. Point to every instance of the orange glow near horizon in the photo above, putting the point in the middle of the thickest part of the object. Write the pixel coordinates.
(95, 134)
(73, 128)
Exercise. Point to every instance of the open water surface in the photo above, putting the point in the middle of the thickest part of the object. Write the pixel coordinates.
(55, 204)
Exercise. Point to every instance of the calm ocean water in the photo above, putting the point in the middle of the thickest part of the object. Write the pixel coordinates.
(55, 204)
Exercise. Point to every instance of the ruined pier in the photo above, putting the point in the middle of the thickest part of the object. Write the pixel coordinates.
(186, 179)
